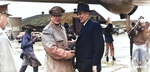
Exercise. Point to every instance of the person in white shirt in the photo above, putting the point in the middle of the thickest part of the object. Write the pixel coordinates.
(7, 63)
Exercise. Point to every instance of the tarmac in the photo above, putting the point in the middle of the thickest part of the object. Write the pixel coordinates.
(121, 47)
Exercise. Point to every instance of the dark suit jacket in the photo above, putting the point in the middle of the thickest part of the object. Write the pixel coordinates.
(89, 47)
(27, 43)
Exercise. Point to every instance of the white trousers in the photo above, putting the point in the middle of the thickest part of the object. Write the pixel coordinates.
(139, 56)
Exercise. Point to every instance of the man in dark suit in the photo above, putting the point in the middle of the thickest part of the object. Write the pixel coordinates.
(90, 42)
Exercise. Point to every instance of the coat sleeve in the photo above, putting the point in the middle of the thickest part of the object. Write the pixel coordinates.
(98, 42)
(51, 48)
(26, 42)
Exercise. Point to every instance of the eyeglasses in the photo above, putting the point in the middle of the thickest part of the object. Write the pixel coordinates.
(57, 15)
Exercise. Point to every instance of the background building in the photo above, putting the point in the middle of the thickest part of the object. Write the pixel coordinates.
(16, 25)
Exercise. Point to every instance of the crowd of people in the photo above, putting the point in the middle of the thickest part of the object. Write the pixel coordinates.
(62, 46)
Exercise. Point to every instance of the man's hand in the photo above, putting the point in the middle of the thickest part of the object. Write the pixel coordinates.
(34, 40)
(68, 49)
(94, 68)
(72, 51)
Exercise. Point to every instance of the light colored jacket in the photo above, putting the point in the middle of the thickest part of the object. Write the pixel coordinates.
(54, 40)
(7, 63)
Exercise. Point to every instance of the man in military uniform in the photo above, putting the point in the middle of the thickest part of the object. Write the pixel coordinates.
(54, 39)
(7, 63)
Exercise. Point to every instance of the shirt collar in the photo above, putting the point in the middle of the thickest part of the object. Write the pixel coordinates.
(59, 27)
(1, 31)
(85, 22)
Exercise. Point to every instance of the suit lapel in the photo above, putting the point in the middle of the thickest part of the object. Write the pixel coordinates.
(84, 28)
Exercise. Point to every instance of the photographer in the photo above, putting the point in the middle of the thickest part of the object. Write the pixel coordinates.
(141, 32)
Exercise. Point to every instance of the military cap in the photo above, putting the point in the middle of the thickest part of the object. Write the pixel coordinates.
(4, 9)
(30, 27)
(56, 11)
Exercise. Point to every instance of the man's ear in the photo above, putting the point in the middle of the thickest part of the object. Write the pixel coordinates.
(0, 17)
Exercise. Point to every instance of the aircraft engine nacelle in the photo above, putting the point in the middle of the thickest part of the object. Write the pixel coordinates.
(122, 9)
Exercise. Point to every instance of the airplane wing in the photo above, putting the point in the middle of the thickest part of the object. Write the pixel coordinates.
(120, 7)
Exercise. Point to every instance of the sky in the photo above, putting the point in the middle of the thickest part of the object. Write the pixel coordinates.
(28, 9)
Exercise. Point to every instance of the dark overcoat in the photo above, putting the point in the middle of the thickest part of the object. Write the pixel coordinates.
(29, 56)
(89, 47)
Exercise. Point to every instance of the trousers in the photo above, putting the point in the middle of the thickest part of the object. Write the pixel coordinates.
(139, 55)
(23, 68)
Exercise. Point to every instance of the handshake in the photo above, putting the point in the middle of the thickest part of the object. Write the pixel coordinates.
(71, 50)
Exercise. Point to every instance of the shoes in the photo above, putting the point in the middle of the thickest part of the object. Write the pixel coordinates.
(113, 58)
(107, 59)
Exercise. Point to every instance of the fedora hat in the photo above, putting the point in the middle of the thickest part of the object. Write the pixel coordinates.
(30, 27)
(4, 9)
(82, 7)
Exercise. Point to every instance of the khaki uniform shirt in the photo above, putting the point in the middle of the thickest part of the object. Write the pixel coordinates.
(54, 40)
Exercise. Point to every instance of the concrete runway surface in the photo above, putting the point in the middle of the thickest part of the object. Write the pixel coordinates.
(121, 47)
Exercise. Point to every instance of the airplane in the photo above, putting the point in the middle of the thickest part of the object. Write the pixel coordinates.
(119, 7)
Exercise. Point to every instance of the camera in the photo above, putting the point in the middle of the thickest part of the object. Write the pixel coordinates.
(139, 27)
